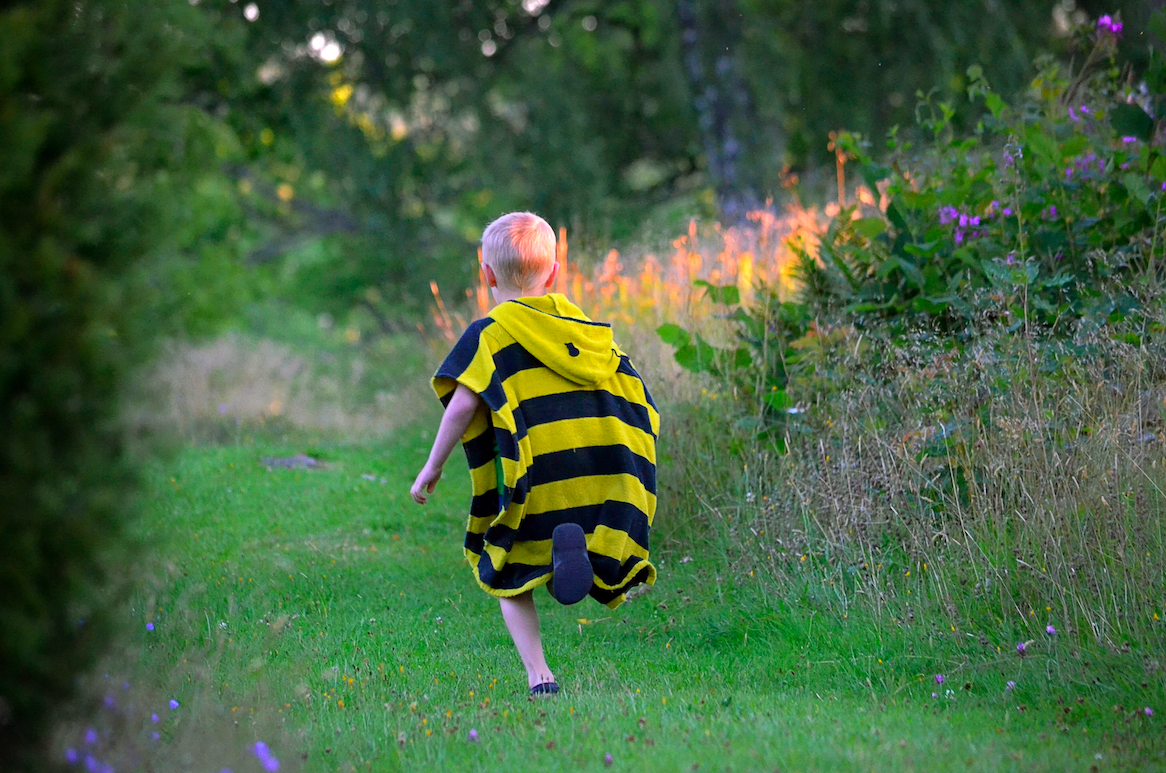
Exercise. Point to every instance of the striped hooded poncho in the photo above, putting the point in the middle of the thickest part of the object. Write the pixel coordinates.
(567, 435)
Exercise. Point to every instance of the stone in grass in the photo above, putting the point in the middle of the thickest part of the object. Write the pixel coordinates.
(299, 461)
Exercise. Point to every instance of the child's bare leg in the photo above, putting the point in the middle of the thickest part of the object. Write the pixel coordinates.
(522, 621)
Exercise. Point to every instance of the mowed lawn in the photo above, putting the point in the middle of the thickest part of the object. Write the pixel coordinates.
(324, 613)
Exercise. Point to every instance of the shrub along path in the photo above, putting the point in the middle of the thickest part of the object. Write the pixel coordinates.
(324, 606)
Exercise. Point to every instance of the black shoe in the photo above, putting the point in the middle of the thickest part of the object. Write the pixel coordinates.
(546, 688)
(573, 575)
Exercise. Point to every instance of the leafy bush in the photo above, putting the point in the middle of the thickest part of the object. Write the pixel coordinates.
(96, 156)
(1041, 217)
(964, 410)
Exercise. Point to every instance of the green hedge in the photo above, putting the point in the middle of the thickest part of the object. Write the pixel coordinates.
(94, 149)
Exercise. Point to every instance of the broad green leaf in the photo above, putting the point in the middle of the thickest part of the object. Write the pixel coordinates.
(673, 335)
(1136, 187)
(870, 227)
(1131, 121)
(697, 357)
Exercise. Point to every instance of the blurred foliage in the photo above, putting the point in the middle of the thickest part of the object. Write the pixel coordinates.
(105, 172)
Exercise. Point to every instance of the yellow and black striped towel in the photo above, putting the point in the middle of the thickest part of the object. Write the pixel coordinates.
(567, 435)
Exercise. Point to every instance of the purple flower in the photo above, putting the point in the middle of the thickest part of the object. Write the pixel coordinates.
(1149, 711)
(1008, 211)
(154, 718)
(1085, 109)
(1073, 114)
(1129, 140)
(959, 237)
(1069, 174)
(934, 695)
(90, 736)
(948, 214)
(939, 678)
(1052, 212)
(608, 760)
(71, 756)
(149, 626)
(1008, 160)
(222, 409)
(1010, 686)
(110, 703)
(91, 764)
(266, 758)
(1108, 26)
(1021, 650)
(173, 704)
(1051, 631)
(473, 735)
(155, 735)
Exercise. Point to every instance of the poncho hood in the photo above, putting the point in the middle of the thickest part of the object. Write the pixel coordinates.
(560, 335)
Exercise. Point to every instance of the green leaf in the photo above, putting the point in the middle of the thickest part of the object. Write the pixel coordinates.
(932, 305)
(895, 215)
(673, 335)
(779, 400)
(728, 295)
(1136, 187)
(696, 358)
(1132, 121)
(870, 227)
(1042, 145)
(995, 105)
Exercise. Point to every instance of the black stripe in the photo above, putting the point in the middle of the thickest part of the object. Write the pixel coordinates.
(463, 351)
(480, 450)
(613, 514)
(493, 395)
(603, 596)
(591, 460)
(626, 368)
(584, 404)
(513, 575)
(580, 462)
(485, 505)
(475, 543)
(514, 358)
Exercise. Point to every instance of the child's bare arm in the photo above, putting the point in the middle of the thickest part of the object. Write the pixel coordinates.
(458, 415)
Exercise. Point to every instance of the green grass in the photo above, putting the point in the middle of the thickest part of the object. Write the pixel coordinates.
(330, 616)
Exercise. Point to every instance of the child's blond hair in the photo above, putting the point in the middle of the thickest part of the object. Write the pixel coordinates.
(520, 248)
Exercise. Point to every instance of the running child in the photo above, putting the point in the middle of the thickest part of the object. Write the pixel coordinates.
(560, 434)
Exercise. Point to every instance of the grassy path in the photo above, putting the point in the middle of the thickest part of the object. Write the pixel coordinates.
(323, 611)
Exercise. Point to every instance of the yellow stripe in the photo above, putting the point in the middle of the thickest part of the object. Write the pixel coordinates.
(567, 434)
(614, 543)
(590, 490)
